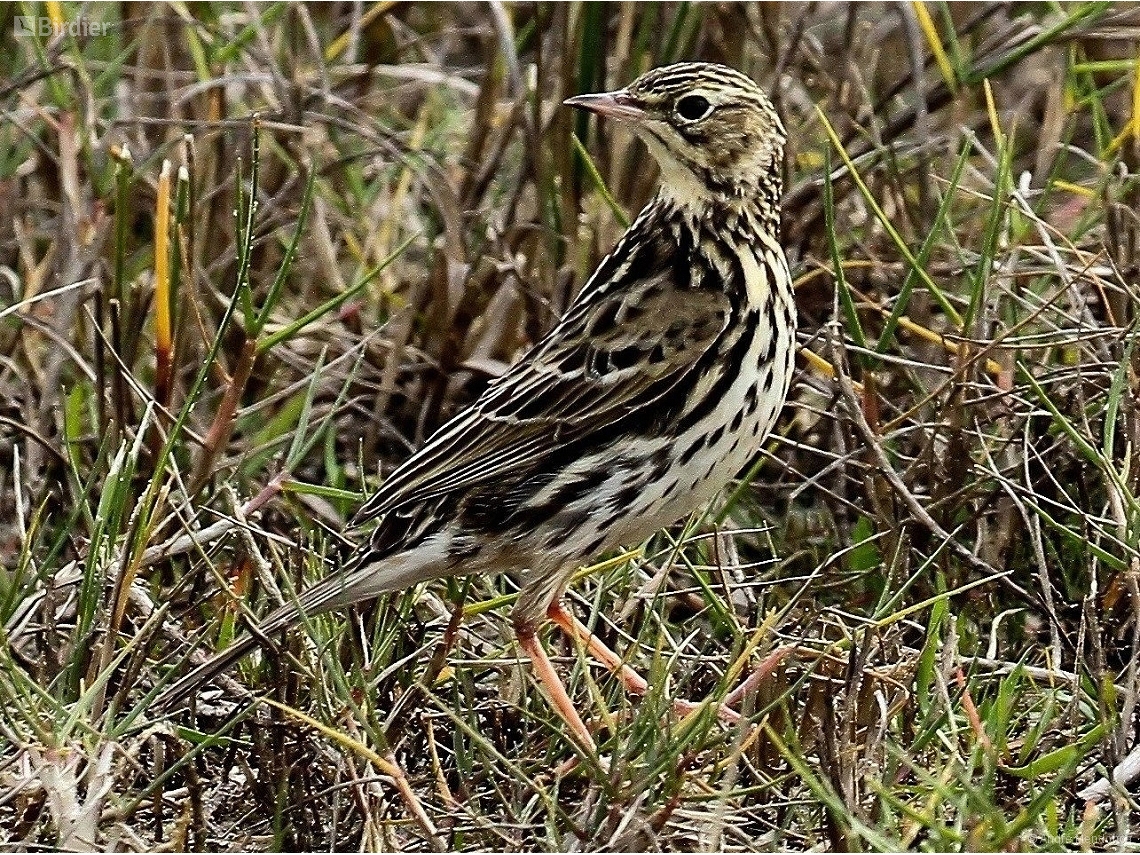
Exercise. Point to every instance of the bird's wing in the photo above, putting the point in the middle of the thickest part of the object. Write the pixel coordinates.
(607, 357)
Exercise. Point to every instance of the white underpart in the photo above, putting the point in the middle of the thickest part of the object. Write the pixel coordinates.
(710, 469)
(427, 560)
(678, 183)
(693, 485)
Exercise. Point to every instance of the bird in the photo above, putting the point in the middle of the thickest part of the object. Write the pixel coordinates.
(657, 385)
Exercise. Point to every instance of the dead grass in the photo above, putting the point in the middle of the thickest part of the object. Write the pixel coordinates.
(357, 216)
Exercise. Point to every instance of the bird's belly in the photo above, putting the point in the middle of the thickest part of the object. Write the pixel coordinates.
(653, 481)
(691, 484)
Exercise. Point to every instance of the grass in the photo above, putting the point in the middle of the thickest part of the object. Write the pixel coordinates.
(253, 255)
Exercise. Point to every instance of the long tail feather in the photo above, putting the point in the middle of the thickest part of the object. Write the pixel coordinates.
(359, 581)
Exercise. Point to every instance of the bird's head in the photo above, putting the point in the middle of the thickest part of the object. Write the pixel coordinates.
(711, 128)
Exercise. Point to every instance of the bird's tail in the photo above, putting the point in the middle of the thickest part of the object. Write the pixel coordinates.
(203, 674)
(362, 580)
(175, 695)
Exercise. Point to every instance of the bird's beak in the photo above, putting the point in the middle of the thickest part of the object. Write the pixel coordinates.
(614, 105)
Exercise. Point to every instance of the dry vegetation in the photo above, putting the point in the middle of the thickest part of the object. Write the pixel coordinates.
(217, 332)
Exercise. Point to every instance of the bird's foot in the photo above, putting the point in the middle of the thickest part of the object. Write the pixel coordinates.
(635, 684)
(559, 698)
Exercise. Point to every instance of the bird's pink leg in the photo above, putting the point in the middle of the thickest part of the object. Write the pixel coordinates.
(635, 684)
(544, 670)
(759, 673)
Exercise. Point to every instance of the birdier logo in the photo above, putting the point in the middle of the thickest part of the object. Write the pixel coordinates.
(31, 25)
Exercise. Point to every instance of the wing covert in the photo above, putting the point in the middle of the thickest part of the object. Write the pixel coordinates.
(618, 352)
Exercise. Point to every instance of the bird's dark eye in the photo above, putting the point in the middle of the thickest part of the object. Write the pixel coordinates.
(693, 107)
